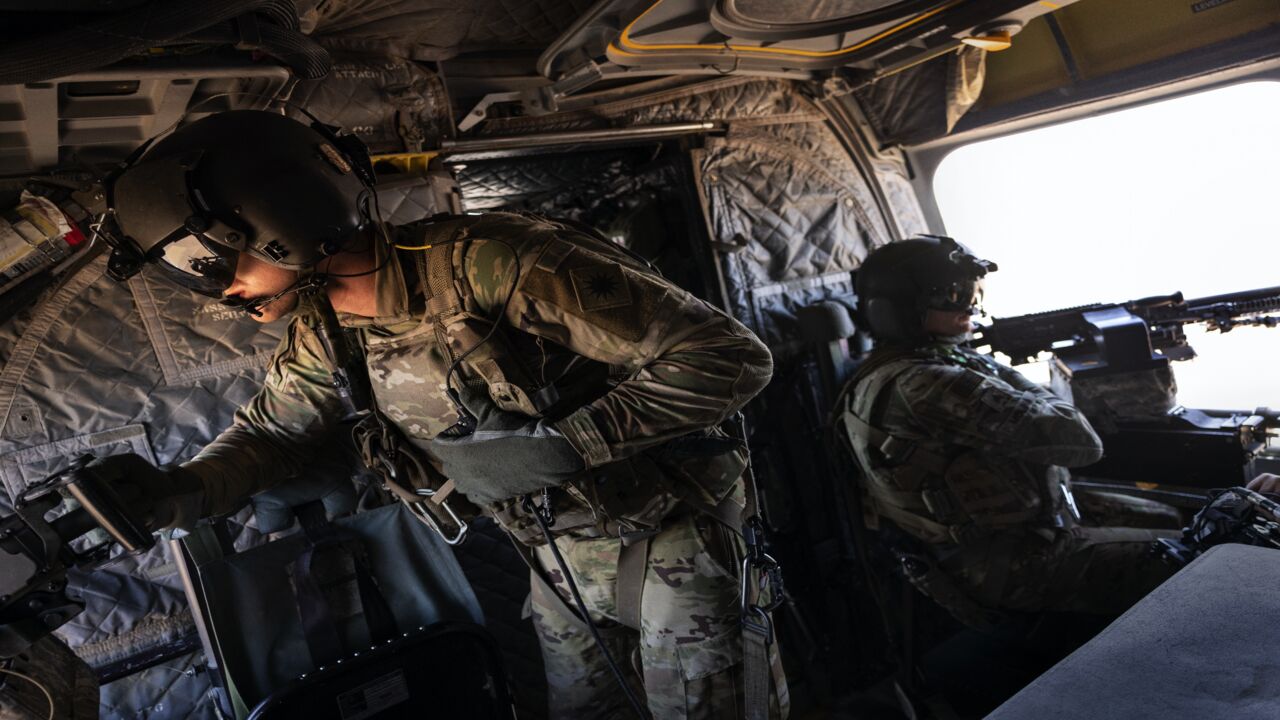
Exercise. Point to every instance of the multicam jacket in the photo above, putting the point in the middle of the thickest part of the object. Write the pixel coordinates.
(621, 359)
(953, 445)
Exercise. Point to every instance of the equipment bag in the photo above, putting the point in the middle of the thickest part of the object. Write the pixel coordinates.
(253, 617)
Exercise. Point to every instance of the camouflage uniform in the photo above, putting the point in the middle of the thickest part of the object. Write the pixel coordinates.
(968, 457)
(689, 627)
(634, 362)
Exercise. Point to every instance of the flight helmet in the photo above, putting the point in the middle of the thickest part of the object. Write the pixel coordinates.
(898, 283)
(241, 181)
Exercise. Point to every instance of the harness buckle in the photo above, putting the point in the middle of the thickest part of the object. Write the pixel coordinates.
(758, 621)
(761, 573)
(420, 511)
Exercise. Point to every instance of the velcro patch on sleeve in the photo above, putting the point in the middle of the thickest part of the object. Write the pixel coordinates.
(553, 255)
(601, 292)
(600, 287)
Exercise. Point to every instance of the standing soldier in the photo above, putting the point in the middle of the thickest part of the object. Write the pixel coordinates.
(558, 383)
(968, 458)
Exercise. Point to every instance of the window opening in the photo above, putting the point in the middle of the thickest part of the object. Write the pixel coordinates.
(1174, 195)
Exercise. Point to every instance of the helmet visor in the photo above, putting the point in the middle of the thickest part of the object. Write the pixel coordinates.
(198, 263)
(961, 296)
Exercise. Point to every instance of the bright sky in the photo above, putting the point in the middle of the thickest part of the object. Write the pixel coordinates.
(1177, 195)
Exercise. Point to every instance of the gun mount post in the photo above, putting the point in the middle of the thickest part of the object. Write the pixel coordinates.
(36, 552)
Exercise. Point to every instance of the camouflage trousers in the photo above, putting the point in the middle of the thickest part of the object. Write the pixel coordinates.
(1100, 570)
(686, 659)
(71, 684)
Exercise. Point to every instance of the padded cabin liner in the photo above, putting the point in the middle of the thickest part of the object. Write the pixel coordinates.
(1200, 646)
(393, 105)
(82, 374)
(543, 182)
(434, 30)
(175, 689)
(800, 216)
(924, 102)
(639, 197)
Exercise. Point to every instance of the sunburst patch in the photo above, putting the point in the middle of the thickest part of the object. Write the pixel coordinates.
(600, 287)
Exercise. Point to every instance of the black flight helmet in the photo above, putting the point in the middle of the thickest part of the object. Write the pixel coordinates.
(898, 283)
(241, 181)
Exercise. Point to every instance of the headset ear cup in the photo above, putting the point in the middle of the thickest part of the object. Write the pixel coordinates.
(883, 318)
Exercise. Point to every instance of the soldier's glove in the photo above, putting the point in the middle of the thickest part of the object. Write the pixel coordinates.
(506, 456)
(172, 498)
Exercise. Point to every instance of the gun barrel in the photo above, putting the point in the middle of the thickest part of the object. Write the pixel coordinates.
(1237, 306)
(1244, 296)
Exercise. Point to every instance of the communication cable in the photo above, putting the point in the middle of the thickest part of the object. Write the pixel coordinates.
(47, 695)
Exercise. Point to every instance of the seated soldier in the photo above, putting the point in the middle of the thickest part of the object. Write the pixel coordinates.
(968, 458)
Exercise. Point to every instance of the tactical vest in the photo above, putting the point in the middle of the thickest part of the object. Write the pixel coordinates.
(940, 493)
(626, 498)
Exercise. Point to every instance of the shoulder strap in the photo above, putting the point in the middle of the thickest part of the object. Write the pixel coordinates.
(434, 262)
(855, 409)
(459, 326)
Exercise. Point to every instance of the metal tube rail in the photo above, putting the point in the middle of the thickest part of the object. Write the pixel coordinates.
(576, 137)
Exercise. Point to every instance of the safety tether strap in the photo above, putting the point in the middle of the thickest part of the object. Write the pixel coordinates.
(755, 666)
(633, 558)
(758, 670)
(757, 624)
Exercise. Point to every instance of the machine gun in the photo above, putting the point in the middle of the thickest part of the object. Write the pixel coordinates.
(1113, 362)
(1125, 336)
(38, 551)
(1233, 515)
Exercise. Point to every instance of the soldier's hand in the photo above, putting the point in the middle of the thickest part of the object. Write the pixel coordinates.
(161, 498)
(506, 456)
(1265, 483)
